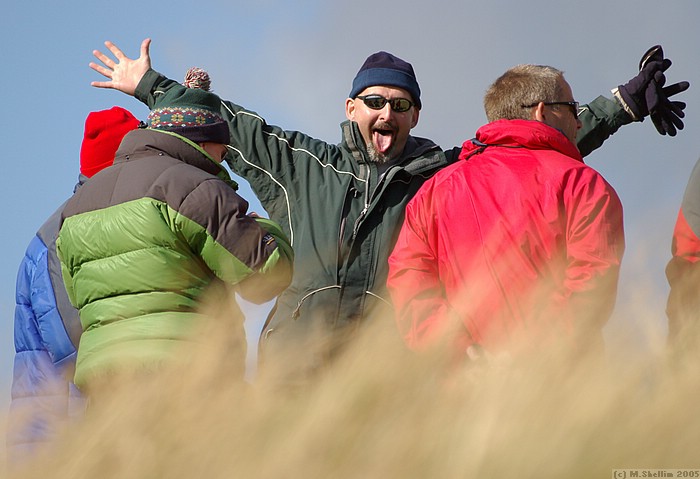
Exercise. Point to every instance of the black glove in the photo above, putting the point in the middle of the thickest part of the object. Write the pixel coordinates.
(665, 114)
(634, 92)
(645, 94)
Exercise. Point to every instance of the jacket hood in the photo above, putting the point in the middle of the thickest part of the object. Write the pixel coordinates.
(147, 141)
(520, 133)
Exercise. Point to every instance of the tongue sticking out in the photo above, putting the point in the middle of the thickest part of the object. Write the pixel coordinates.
(383, 140)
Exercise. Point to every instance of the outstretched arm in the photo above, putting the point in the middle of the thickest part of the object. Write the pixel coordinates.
(643, 95)
(124, 73)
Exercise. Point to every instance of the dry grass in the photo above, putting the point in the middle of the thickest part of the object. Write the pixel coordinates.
(383, 412)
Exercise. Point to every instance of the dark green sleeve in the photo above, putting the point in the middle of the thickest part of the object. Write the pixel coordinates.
(151, 82)
(600, 118)
(264, 155)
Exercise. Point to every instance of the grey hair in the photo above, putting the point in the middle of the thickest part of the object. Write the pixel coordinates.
(521, 85)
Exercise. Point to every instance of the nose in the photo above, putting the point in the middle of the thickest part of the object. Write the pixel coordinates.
(386, 112)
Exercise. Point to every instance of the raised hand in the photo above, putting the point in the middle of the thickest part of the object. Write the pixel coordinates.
(124, 73)
(633, 92)
(666, 114)
(646, 94)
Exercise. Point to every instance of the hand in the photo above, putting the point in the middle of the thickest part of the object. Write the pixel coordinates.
(634, 92)
(665, 114)
(645, 94)
(124, 74)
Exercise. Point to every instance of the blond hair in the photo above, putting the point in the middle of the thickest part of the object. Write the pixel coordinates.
(519, 86)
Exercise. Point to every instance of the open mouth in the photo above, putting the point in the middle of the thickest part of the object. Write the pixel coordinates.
(383, 138)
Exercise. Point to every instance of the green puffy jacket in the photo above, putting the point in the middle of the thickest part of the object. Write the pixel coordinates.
(142, 240)
(341, 215)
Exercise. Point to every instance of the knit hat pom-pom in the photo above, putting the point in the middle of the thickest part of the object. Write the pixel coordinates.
(197, 78)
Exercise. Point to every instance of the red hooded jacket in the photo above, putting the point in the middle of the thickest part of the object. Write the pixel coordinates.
(520, 240)
(683, 271)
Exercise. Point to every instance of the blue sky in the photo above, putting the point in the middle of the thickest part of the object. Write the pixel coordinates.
(294, 62)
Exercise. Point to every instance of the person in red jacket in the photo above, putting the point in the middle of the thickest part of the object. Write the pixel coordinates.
(683, 274)
(517, 245)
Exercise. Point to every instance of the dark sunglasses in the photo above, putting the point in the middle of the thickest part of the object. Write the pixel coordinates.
(377, 102)
(571, 104)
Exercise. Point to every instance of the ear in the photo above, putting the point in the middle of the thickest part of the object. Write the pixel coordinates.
(350, 109)
(539, 113)
(414, 120)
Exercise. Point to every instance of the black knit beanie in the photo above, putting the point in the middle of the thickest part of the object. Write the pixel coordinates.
(383, 68)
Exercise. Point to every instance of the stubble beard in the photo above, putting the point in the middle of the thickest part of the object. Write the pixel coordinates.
(376, 156)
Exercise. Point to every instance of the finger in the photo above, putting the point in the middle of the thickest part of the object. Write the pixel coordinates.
(657, 121)
(119, 55)
(667, 125)
(101, 70)
(145, 48)
(654, 53)
(680, 105)
(676, 107)
(666, 64)
(677, 122)
(670, 129)
(659, 78)
(651, 67)
(675, 88)
(103, 58)
(650, 70)
(670, 123)
(101, 84)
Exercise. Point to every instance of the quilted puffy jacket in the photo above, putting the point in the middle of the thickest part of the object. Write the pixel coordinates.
(143, 239)
(46, 334)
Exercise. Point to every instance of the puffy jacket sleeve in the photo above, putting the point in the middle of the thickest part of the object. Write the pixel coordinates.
(423, 313)
(43, 395)
(599, 120)
(683, 270)
(248, 252)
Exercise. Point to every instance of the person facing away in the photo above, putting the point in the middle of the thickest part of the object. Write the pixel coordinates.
(145, 239)
(683, 275)
(46, 327)
(518, 245)
(342, 205)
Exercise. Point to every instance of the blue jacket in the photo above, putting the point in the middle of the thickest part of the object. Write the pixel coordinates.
(46, 331)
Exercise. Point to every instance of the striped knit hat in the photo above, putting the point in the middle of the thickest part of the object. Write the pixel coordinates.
(192, 112)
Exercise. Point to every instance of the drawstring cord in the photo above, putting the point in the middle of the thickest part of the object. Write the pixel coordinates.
(482, 146)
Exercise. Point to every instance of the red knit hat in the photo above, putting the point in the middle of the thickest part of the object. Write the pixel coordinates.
(104, 131)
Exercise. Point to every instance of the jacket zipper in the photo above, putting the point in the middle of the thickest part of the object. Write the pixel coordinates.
(363, 213)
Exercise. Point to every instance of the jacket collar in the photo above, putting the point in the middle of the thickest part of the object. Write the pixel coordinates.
(142, 142)
(520, 134)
